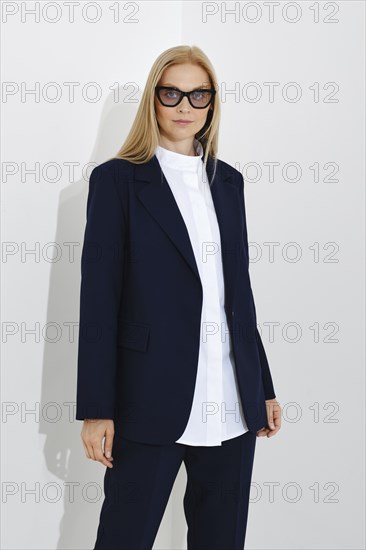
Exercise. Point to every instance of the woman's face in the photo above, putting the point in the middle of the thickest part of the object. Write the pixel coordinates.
(186, 77)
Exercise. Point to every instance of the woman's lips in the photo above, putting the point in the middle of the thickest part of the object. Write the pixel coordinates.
(183, 122)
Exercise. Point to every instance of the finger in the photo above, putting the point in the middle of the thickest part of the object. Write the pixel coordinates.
(277, 422)
(270, 417)
(277, 427)
(108, 443)
(101, 458)
(91, 450)
(86, 450)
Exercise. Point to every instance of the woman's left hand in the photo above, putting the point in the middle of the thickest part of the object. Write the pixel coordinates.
(274, 419)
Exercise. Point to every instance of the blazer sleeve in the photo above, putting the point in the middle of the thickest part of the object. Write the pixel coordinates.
(269, 392)
(100, 292)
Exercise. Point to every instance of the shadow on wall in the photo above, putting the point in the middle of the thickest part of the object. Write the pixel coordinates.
(81, 479)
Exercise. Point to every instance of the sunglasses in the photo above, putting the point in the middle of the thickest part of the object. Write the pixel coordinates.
(171, 97)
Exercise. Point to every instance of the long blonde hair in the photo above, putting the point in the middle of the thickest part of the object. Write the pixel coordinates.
(143, 137)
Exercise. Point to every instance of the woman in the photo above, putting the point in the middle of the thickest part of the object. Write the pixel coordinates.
(171, 366)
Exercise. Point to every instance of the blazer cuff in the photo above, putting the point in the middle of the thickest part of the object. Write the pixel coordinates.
(94, 410)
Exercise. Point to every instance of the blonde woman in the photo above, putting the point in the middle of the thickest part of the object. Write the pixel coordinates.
(171, 366)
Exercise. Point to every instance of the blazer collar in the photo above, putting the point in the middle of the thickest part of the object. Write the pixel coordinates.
(159, 200)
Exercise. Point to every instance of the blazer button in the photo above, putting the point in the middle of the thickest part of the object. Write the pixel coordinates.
(232, 313)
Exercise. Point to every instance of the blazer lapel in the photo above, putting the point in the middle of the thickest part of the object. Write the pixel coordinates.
(159, 200)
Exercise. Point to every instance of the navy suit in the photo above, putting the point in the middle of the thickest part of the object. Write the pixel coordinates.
(141, 300)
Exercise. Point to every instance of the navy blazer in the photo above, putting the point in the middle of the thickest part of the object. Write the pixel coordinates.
(141, 301)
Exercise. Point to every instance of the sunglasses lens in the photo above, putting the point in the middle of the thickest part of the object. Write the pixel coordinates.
(170, 97)
(201, 98)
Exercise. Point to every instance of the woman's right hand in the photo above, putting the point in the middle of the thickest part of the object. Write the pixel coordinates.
(92, 434)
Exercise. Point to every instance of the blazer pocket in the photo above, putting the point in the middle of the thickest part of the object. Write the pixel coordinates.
(133, 335)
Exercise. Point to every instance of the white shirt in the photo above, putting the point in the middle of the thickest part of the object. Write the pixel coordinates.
(216, 413)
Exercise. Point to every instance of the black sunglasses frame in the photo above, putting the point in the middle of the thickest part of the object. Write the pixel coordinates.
(183, 94)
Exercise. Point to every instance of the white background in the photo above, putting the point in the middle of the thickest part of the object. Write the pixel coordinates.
(307, 485)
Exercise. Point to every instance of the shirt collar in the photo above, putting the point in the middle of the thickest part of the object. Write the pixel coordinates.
(177, 160)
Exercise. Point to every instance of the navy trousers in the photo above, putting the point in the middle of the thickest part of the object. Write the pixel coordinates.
(216, 499)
